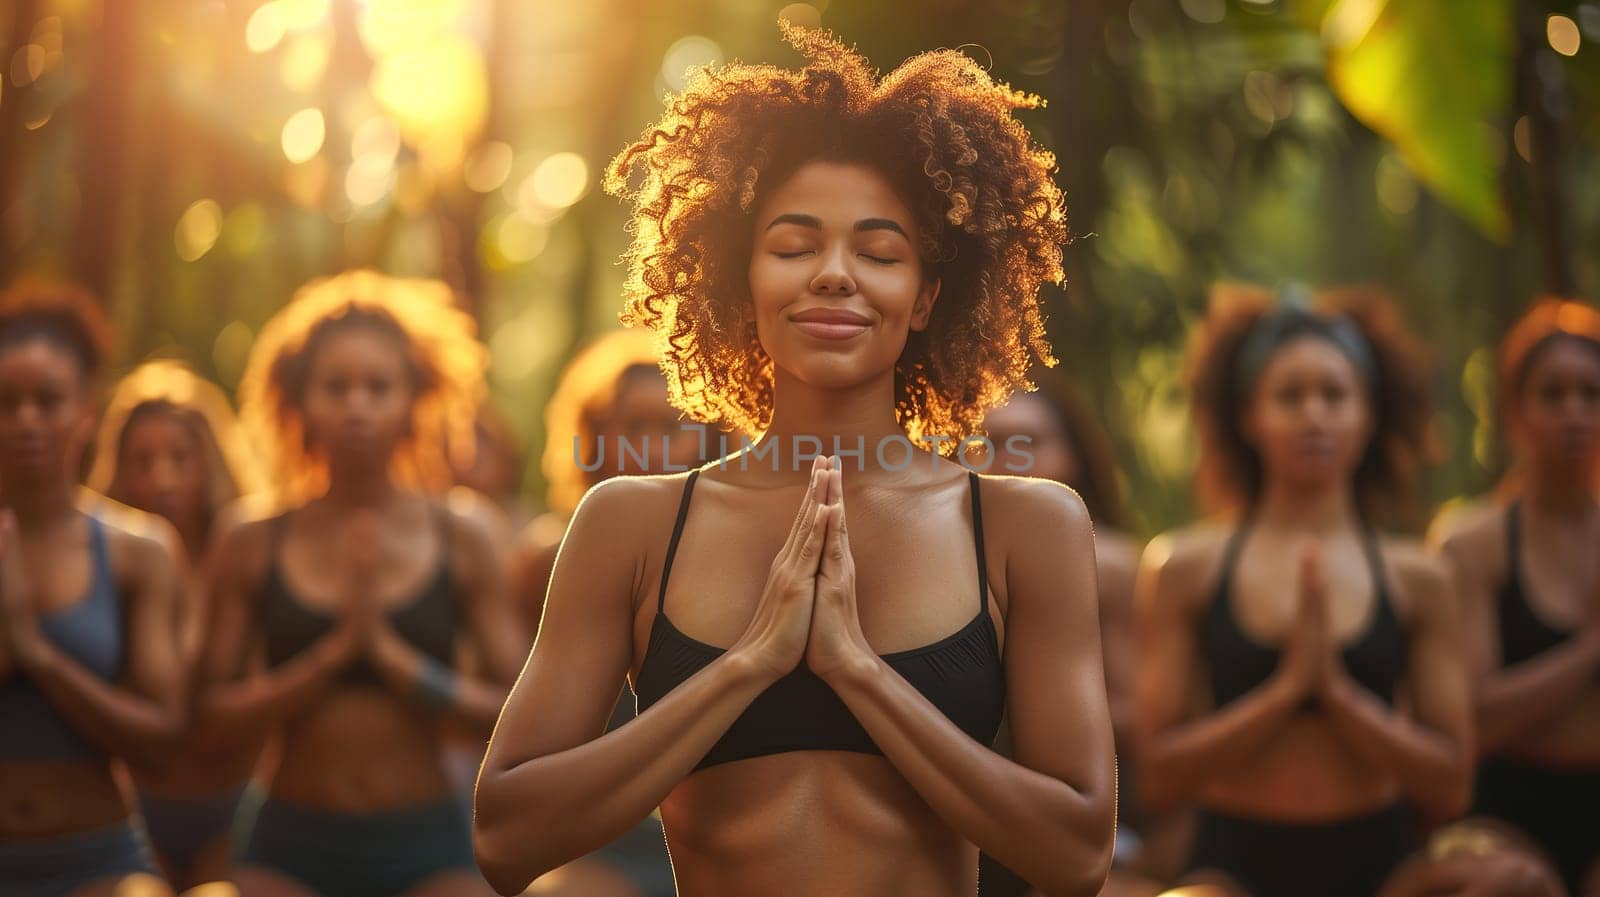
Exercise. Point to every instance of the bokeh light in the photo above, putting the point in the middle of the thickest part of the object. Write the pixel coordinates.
(303, 134)
(688, 52)
(230, 349)
(265, 28)
(1563, 35)
(558, 182)
(198, 229)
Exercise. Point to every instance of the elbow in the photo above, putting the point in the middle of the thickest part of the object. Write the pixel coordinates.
(1089, 832)
(510, 857)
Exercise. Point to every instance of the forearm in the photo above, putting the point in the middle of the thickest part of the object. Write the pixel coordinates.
(536, 813)
(243, 712)
(1434, 770)
(1175, 763)
(1054, 835)
(1518, 699)
(464, 698)
(112, 718)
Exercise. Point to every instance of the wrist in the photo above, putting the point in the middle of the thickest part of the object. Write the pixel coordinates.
(853, 672)
(746, 668)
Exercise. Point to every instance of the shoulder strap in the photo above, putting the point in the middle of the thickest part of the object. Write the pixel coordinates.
(977, 542)
(677, 532)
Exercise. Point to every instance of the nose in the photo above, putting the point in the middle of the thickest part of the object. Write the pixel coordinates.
(833, 277)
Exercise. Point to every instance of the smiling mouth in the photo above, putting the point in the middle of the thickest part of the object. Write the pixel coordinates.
(830, 323)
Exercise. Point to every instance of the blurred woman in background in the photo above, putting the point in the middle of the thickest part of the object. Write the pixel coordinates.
(90, 668)
(169, 445)
(338, 619)
(1300, 676)
(1527, 566)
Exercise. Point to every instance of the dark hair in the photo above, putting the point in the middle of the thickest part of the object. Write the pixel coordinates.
(1097, 485)
(1230, 474)
(64, 315)
(939, 129)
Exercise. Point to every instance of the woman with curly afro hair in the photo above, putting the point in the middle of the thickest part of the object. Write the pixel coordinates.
(169, 445)
(821, 648)
(1300, 676)
(1525, 564)
(336, 616)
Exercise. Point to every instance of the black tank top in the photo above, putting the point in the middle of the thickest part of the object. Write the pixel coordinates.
(961, 674)
(428, 621)
(1522, 634)
(1239, 663)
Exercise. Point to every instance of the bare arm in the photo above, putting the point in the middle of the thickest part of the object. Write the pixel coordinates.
(552, 786)
(1510, 701)
(1118, 565)
(1049, 813)
(240, 707)
(141, 716)
(1430, 749)
(1179, 751)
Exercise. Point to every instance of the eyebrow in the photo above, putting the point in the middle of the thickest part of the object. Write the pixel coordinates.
(815, 223)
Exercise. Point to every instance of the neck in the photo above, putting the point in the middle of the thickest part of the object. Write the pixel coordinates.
(1323, 508)
(1560, 493)
(38, 503)
(827, 421)
(358, 487)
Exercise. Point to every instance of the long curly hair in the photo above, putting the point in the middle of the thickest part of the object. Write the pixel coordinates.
(165, 386)
(1230, 475)
(443, 356)
(991, 219)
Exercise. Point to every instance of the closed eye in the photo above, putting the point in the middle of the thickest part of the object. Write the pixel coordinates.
(792, 255)
(879, 259)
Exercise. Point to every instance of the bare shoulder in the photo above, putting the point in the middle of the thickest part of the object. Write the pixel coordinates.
(627, 510)
(1420, 577)
(1023, 504)
(1473, 533)
(1185, 563)
(135, 538)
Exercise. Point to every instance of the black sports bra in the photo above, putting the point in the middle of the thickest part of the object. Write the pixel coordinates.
(1239, 663)
(961, 674)
(428, 620)
(1522, 634)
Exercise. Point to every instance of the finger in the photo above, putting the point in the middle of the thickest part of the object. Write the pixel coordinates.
(832, 547)
(803, 513)
(816, 530)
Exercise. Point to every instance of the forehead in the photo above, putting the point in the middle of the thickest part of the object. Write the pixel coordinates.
(1566, 357)
(36, 358)
(1309, 355)
(359, 346)
(159, 425)
(839, 193)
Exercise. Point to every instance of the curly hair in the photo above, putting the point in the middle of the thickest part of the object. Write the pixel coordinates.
(168, 387)
(938, 128)
(65, 315)
(443, 356)
(1230, 475)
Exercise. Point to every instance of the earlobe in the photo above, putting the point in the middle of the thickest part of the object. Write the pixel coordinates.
(922, 310)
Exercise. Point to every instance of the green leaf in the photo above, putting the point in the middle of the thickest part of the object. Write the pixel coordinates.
(1434, 78)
